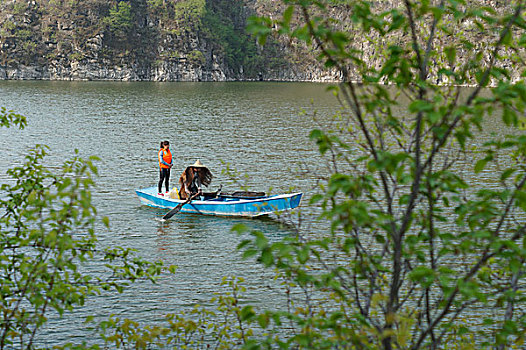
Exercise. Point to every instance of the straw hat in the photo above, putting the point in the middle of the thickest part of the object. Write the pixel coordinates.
(205, 174)
(198, 164)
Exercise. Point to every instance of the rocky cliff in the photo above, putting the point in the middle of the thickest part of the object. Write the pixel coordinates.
(157, 40)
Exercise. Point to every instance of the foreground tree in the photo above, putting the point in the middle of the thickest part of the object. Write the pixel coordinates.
(48, 243)
(417, 254)
(416, 245)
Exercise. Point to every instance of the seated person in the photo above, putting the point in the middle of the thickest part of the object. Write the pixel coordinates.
(193, 178)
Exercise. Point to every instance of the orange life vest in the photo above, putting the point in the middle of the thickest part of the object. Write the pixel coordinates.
(167, 157)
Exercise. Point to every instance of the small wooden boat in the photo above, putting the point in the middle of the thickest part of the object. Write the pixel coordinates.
(234, 204)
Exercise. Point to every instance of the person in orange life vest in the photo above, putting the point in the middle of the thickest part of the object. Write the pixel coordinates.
(165, 164)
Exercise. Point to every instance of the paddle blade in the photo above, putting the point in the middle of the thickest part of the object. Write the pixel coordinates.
(174, 211)
(178, 208)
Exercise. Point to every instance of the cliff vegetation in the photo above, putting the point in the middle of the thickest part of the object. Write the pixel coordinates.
(176, 40)
(132, 40)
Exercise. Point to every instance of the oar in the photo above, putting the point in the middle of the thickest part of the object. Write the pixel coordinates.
(178, 207)
(240, 197)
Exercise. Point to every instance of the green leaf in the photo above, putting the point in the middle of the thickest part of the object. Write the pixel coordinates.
(239, 228)
(243, 244)
(261, 241)
(287, 15)
(303, 255)
(507, 173)
(480, 165)
(247, 313)
(451, 54)
(507, 40)
(106, 221)
(423, 275)
(316, 198)
(266, 257)
(263, 320)
(249, 253)
(419, 106)
(261, 27)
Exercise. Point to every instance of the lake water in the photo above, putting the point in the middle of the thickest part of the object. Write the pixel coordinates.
(256, 127)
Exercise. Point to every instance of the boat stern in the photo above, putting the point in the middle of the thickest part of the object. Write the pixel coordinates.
(148, 196)
(295, 200)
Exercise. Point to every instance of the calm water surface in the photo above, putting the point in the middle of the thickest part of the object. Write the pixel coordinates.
(256, 127)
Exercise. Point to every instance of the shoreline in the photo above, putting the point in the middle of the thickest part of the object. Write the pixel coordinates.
(321, 81)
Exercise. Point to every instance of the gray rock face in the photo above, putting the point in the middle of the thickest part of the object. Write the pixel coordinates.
(55, 43)
(179, 70)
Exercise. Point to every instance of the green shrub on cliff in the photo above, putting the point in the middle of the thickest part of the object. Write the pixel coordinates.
(189, 14)
(119, 32)
(196, 57)
(222, 25)
(119, 20)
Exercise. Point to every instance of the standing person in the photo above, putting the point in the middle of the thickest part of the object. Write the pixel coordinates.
(165, 164)
(192, 178)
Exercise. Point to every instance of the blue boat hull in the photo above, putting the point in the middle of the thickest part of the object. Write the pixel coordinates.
(223, 205)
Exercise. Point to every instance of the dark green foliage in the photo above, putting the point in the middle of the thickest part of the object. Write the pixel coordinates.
(9, 118)
(138, 32)
(413, 245)
(127, 36)
(47, 234)
(119, 21)
(223, 25)
(413, 253)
